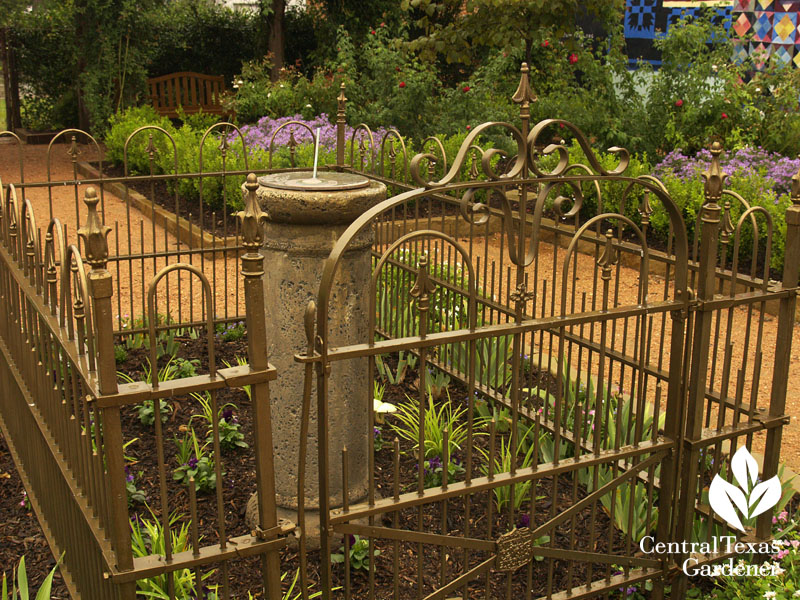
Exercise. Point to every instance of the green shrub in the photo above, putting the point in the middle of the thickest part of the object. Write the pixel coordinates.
(123, 124)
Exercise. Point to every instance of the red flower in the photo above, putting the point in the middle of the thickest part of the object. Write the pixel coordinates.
(679, 103)
(397, 69)
(372, 31)
(573, 58)
(383, 24)
(469, 127)
(402, 84)
(465, 89)
(561, 125)
(724, 116)
(545, 43)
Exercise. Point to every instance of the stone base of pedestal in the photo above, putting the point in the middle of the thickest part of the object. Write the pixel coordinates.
(290, 515)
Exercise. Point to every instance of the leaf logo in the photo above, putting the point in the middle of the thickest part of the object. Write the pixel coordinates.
(750, 497)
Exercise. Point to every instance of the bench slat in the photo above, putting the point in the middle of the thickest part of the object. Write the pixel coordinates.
(191, 91)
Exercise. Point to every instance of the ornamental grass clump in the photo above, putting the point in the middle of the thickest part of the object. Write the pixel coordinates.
(406, 425)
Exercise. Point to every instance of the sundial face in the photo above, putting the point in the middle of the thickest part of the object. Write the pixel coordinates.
(305, 181)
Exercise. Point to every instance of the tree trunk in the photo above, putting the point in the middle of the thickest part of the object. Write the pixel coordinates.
(81, 14)
(277, 37)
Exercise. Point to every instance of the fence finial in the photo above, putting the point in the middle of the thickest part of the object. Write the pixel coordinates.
(341, 122)
(714, 176)
(524, 94)
(251, 217)
(341, 99)
(94, 233)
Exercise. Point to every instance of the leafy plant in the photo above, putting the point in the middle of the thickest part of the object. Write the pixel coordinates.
(433, 470)
(437, 382)
(149, 538)
(627, 503)
(494, 360)
(231, 332)
(405, 361)
(174, 368)
(503, 461)
(19, 583)
(147, 413)
(194, 462)
(135, 495)
(120, 353)
(407, 425)
(359, 552)
(230, 434)
(377, 439)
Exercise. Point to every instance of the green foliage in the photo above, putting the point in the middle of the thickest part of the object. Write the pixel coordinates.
(630, 507)
(405, 361)
(359, 552)
(433, 472)
(166, 343)
(406, 424)
(135, 495)
(232, 332)
(257, 96)
(437, 382)
(205, 37)
(147, 413)
(389, 86)
(194, 462)
(783, 581)
(19, 583)
(230, 434)
(494, 360)
(500, 25)
(503, 462)
(120, 353)
(290, 593)
(148, 538)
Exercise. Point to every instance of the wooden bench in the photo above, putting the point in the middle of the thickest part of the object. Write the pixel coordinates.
(193, 92)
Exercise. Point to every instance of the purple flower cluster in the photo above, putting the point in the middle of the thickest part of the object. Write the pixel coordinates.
(742, 163)
(192, 463)
(258, 136)
(227, 414)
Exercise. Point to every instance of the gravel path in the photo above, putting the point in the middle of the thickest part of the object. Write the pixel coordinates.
(141, 236)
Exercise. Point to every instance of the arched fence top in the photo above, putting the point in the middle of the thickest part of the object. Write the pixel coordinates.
(208, 298)
(546, 184)
(151, 148)
(224, 143)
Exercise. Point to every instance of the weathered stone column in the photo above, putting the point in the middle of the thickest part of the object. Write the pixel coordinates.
(302, 226)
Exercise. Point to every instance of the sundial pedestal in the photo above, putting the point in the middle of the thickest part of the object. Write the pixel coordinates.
(305, 218)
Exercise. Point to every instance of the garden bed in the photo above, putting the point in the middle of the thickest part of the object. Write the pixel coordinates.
(239, 483)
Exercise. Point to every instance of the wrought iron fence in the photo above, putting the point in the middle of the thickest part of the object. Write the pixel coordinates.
(600, 384)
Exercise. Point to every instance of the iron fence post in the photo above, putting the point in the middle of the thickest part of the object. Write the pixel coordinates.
(783, 345)
(711, 213)
(94, 235)
(341, 121)
(255, 311)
